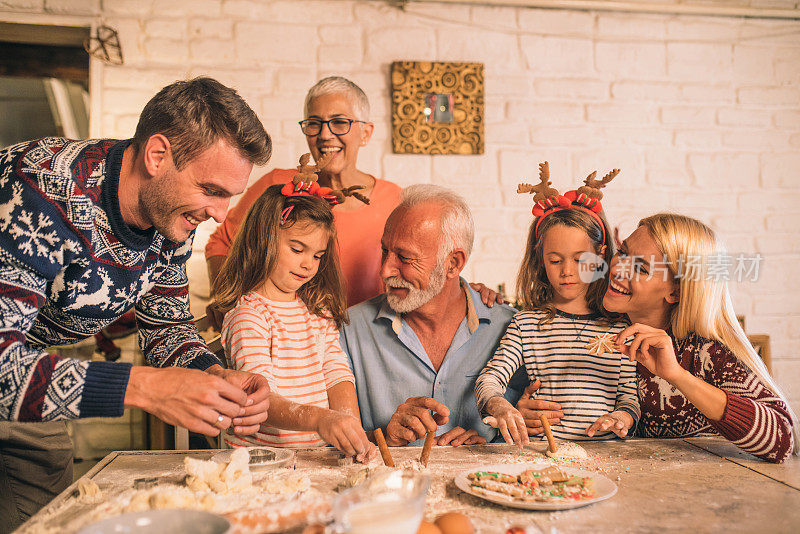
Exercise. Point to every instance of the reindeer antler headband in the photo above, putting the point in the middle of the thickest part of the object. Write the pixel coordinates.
(304, 184)
(547, 200)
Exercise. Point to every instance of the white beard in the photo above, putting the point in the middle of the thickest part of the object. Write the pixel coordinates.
(416, 297)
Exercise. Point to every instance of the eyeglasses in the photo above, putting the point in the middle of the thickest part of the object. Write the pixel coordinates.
(337, 126)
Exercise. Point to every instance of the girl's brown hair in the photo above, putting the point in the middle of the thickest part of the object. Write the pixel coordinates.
(533, 288)
(254, 253)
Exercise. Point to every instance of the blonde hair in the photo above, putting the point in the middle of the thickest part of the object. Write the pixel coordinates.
(704, 306)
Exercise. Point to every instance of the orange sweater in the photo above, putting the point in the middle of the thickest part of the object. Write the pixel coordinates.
(359, 233)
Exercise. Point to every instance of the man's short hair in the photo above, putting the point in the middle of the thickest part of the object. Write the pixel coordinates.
(195, 114)
(338, 84)
(458, 228)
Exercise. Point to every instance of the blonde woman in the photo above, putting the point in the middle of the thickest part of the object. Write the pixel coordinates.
(697, 371)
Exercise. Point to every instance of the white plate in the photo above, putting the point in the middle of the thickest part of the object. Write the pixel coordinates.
(604, 488)
(261, 458)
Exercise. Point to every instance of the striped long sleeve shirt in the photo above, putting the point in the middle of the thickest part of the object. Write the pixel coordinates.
(586, 386)
(755, 419)
(298, 353)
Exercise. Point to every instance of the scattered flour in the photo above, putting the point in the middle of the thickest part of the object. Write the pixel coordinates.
(568, 451)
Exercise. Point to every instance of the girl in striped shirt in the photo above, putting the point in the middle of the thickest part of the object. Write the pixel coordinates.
(561, 285)
(281, 288)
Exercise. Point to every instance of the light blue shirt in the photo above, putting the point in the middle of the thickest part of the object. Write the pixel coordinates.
(390, 364)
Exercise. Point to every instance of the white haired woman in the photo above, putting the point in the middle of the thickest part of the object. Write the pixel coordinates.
(697, 370)
(337, 122)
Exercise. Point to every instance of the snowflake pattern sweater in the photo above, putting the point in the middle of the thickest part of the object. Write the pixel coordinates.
(69, 266)
(755, 419)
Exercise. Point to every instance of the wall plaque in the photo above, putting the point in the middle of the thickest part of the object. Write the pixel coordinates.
(437, 108)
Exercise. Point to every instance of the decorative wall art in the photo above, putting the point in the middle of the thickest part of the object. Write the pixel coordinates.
(104, 45)
(437, 108)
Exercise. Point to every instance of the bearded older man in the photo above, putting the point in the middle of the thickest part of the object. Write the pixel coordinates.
(418, 347)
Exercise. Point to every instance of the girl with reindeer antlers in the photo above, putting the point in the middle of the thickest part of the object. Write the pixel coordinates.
(562, 336)
(282, 286)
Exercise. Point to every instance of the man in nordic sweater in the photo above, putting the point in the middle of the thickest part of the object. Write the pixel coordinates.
(89, 230)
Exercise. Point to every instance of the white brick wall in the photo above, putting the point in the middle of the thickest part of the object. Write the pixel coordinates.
(701, 113)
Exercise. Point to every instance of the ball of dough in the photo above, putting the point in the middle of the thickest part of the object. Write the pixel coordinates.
(454, 523)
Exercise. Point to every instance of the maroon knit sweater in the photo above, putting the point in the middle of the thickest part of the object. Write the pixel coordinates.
(755, 419)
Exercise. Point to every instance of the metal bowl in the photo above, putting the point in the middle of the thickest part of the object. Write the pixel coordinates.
(262, 458)
(159, 521)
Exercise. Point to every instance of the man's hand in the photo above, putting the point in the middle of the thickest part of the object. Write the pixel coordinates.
(255, 407)
(345, 433)
(488, 296)
(198, 401)
(458, 436)
(531, 408)
(619, 422)
(507, 420)
(413, 419)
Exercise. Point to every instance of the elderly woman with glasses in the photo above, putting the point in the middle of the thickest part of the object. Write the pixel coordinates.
(337, 122)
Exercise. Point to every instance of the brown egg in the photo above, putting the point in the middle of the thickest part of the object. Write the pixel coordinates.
(428, 528)
(454, 523)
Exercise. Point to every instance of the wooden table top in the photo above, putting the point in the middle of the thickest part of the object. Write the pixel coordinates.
(702, 484)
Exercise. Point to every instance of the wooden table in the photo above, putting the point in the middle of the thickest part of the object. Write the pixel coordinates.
(683, 485)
